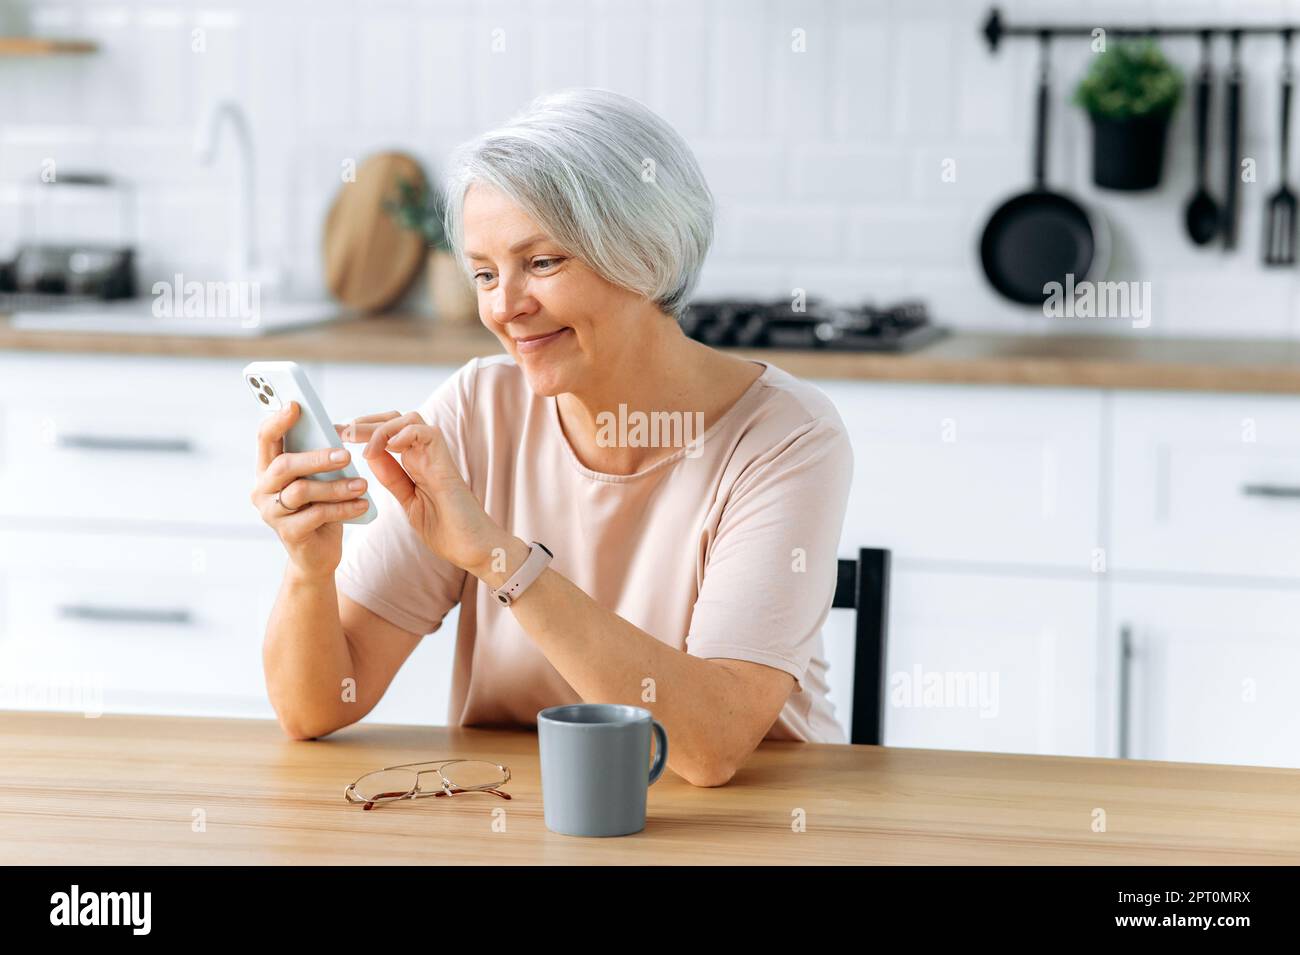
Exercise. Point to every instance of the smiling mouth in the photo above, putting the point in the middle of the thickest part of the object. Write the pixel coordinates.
(534, 342)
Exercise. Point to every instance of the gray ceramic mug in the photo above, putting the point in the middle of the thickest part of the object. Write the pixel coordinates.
(594, 767)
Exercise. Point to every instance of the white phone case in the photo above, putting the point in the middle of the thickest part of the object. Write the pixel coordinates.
(276, 383)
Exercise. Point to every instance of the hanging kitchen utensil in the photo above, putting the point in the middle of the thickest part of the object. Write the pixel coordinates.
(1280, 222)
(1202, 214)
(370, 259)
(1040, 236)
(1233, 127)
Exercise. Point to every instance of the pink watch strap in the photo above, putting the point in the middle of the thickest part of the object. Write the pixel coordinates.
(538, 557)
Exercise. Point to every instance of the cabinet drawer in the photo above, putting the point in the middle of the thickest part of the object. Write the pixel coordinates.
(139, 616)
(1206, 483)
(1211, 675)
(988, 475)
(156, 440)
(992, 663)
(349, 391)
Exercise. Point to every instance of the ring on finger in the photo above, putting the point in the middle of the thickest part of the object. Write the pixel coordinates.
(291, 510)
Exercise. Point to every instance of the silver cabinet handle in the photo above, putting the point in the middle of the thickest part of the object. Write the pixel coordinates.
(1271, 490)
(108, 442)
(102, 614)
(1125, 688)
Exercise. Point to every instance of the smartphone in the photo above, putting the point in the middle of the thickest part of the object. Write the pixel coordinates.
(277, 383)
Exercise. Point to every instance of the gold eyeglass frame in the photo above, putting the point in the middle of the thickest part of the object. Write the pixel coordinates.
(437, 765)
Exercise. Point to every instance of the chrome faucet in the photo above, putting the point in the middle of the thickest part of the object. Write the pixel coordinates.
(243, 254)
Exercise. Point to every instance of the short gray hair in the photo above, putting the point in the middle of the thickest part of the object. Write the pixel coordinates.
(608, 179)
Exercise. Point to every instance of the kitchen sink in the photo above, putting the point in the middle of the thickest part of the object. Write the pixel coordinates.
(136, 316)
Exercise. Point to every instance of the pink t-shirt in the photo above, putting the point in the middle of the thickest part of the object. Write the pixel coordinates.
(725, 548)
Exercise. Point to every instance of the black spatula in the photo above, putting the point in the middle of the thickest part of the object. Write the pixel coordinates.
(1280, 222)
(1202, 212)
(1232, 126)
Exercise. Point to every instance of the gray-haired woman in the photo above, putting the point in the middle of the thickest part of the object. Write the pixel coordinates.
(665, 516)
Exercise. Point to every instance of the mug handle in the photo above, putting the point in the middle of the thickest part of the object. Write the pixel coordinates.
(661, 751)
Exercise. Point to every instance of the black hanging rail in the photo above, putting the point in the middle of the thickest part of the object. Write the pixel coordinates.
(995, 30)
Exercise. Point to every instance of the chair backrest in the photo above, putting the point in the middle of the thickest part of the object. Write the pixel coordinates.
(863, 585)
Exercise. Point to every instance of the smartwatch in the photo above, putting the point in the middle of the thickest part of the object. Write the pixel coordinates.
(522, 579)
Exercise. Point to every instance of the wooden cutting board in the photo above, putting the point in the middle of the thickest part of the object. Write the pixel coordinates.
(370, 260)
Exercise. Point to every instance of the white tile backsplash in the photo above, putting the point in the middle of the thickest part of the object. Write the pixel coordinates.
(738, 73)
(827, 163)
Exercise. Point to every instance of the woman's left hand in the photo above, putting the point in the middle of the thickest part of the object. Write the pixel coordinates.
(436, 499)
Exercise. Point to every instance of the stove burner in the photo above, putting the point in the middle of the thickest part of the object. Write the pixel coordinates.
(754, 323)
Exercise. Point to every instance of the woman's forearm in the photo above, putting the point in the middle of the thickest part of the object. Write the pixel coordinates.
(306, 659)
(607, 659)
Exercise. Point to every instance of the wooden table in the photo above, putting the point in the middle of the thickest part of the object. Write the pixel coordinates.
(125, 790)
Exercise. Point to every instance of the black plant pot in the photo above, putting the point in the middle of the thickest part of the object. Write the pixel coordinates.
(1128, 154)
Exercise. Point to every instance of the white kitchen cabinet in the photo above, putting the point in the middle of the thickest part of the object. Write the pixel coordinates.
(349, 391)
(1206, 484)
(980, 475)
(152, 615)
(158, 441)
(421, 691)
(147, 623)
(1212, 672)
(994, 663)
(163, 624)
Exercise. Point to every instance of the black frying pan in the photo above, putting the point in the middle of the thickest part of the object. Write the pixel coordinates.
(1040, 236)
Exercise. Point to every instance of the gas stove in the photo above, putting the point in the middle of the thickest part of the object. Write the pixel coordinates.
(755, 323)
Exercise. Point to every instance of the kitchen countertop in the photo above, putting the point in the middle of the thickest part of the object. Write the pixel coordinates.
(1085, 361)
(124, 790)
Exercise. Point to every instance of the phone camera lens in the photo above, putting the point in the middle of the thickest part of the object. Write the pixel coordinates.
(253, 381)
(263, 397)
(267, 389)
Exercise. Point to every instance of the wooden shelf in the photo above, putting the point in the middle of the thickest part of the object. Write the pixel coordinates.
(43, 46)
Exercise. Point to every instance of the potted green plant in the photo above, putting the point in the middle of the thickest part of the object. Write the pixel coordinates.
(1130, 93)
(420, 209)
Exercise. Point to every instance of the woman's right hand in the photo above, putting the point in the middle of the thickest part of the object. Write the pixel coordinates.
(309, 513)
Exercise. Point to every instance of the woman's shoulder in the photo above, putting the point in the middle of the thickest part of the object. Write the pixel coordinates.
(788, 403)
(789, 447)
(787, 425)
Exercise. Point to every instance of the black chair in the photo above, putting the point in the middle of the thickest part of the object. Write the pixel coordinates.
(863, 585)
